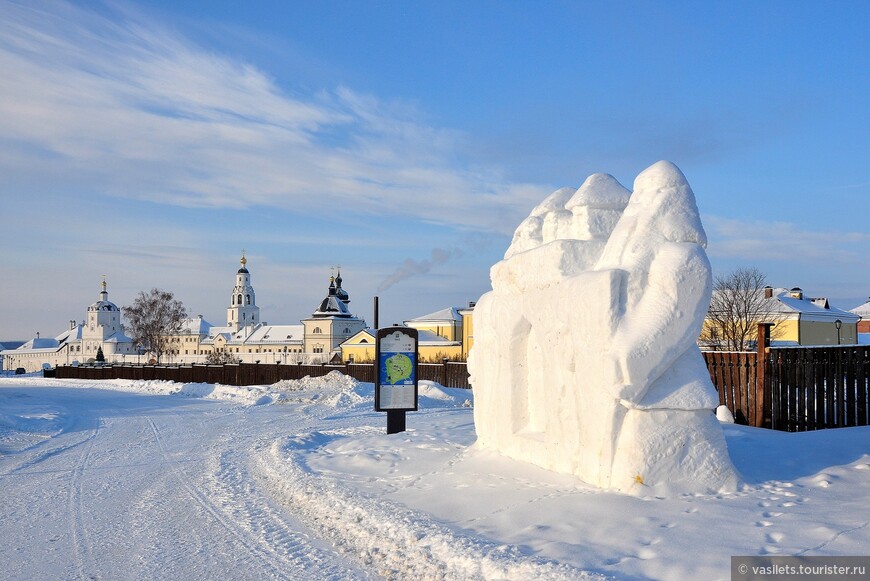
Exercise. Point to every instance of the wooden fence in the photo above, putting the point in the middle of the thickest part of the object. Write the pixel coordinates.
(819, 387)
(734, 375)
(796, 389)
(452, 374)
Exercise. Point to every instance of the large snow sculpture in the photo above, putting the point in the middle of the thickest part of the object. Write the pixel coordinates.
(585, 358)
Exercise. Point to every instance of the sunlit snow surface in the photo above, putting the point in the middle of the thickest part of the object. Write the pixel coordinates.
(127, 479)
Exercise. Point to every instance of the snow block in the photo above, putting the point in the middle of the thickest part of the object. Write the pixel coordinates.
(585, 358)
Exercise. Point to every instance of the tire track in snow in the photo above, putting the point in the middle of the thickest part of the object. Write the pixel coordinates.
(43, 455)
(82, 550)
(299, 556)
(398, 542)
(273, 527)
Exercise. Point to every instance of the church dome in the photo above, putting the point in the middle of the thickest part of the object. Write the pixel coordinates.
(243, 269)
(332, 305)
(340, 292)
(104, 304)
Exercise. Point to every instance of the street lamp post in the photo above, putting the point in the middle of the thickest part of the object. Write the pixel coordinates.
(838, 323)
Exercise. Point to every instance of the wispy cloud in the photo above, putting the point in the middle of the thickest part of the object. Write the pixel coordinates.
(119, 104)
(783, 241)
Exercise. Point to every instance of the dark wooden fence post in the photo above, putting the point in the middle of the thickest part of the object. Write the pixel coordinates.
(761, 364)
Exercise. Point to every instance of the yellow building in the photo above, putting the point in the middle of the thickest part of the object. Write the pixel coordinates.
(467, 315)
(446, 323)
(448, 333)
(431, 348)
(809, 321)
(360, 348)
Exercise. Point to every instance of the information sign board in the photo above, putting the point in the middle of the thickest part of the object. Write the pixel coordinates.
(396, 377)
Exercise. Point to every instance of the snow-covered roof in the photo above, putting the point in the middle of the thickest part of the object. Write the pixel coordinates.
(70, 335)
(425, 337)
(105, 305)
(36, 344)
(215, 332)
(332, 306)
(862, 311)
(449, 314)
(196, 326)
(783, 302)
(364, 337)
(118, 337)
(276, 334)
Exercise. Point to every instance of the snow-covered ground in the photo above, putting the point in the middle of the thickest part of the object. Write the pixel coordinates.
(134, 480)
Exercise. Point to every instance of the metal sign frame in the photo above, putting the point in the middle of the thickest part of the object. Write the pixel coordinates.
(396, 346)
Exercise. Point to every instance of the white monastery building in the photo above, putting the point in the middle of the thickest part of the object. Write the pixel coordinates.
(248, 339)
(101, 330)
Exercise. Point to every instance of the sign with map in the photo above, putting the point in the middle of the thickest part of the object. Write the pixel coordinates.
(396, 382)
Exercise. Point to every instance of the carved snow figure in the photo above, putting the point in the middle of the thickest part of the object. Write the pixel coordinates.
(585, 358)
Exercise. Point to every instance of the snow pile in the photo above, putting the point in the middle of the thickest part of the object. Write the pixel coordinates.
(724, 415)
(332, 380)
(585, 359)
(334, 390)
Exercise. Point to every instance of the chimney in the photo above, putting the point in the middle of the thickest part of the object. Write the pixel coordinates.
(376, 312)
(797, 293)
(768, 292)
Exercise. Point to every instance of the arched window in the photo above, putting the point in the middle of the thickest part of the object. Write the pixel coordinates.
(247, 299)
(240, 299)
(317, 330)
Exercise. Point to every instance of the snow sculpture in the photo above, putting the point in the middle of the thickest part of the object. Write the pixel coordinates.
(585, 358)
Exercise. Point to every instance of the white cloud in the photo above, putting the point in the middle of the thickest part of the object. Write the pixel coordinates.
(755, 240)
(121, 105)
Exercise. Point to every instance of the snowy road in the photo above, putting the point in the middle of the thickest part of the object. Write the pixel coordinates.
(298, 480)
(118, 485)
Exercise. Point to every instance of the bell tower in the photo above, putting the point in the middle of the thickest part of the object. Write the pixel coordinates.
(243, 310)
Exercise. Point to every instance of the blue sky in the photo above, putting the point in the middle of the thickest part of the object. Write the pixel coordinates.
(152, 141)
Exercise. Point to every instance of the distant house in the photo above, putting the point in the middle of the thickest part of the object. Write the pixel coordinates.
(810, 321)
(447, 333)
(863, 311)
(803, 321)
(446, 323)
(359, 348)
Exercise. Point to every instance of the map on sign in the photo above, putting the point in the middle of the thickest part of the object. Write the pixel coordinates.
(398, 367)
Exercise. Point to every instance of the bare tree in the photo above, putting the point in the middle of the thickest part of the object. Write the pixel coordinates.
(221, 358)
(737, 306)
(153, 318)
